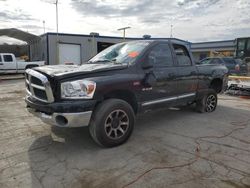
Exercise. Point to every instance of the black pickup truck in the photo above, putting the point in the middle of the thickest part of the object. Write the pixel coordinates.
(125, 79)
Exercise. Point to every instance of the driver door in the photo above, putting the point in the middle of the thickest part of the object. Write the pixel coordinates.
(163, 91)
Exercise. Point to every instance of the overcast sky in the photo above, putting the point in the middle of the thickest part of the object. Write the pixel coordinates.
(193, 20)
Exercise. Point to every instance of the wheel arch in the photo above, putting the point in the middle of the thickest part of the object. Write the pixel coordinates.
(216, 84)
(125, 95)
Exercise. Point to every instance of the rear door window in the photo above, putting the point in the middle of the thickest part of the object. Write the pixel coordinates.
(0, 58)
(182, 55)
(7, 58)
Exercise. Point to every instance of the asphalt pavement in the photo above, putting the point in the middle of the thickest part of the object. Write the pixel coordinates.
(175, 147)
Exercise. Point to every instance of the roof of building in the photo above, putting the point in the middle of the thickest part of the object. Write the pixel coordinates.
(112, 37)
(226, 44)
(196, 46)
(19, 34)
(29, 38)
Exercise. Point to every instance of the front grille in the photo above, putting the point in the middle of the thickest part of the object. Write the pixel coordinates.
(36, 81)
(38, 86)
(40, 94)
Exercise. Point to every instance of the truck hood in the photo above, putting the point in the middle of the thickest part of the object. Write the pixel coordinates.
(61, 70)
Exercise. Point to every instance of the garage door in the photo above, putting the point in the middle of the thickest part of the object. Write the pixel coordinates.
(69, 54)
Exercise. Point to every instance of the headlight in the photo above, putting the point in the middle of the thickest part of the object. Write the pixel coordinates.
(79, 89)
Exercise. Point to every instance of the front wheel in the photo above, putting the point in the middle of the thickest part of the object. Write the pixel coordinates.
(207, 103)
(112, 123)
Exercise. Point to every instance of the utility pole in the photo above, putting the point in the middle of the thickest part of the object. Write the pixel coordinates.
(56, 3)
(43, 26)
(57, 40)
(124, 31)
(171, 31)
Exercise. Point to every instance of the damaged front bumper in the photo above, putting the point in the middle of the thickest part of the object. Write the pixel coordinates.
(79, 119)
(62, 114)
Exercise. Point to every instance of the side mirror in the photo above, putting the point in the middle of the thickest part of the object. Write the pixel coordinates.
(149, 63)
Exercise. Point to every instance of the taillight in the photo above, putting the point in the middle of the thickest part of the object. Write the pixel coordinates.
(237, 67)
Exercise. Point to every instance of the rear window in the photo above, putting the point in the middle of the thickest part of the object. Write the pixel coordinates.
(7, 58)
(0, 58)
(229, 61)
(182, 55)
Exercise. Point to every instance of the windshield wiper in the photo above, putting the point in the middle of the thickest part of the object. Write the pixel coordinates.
(100, 61)
(106, 60)
(115, 61)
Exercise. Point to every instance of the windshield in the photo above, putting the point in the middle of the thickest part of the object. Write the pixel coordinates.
(123, 53)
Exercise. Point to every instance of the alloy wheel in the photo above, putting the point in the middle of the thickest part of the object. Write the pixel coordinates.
(116, 124)
(210, 103)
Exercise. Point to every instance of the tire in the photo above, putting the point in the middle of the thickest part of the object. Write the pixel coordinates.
(112, 123)
(207, 103)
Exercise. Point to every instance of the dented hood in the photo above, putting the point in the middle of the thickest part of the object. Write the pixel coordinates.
(61, 70)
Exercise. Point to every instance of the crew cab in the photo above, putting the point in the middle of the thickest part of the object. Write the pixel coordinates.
(9, 64)
(125, 79)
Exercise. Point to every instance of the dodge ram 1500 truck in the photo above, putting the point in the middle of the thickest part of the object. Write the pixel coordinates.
(125, 79)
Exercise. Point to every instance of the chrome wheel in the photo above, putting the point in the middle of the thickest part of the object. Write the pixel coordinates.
(211, 103)
(116, 124)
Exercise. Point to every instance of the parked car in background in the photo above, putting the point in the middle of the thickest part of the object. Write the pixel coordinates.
(9, 64)
(234, 66)
(125, 79)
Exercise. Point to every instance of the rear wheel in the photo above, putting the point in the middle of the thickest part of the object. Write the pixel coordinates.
(207, 103)
(112, 123)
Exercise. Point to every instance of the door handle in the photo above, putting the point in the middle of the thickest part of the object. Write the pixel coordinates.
(1, 63)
